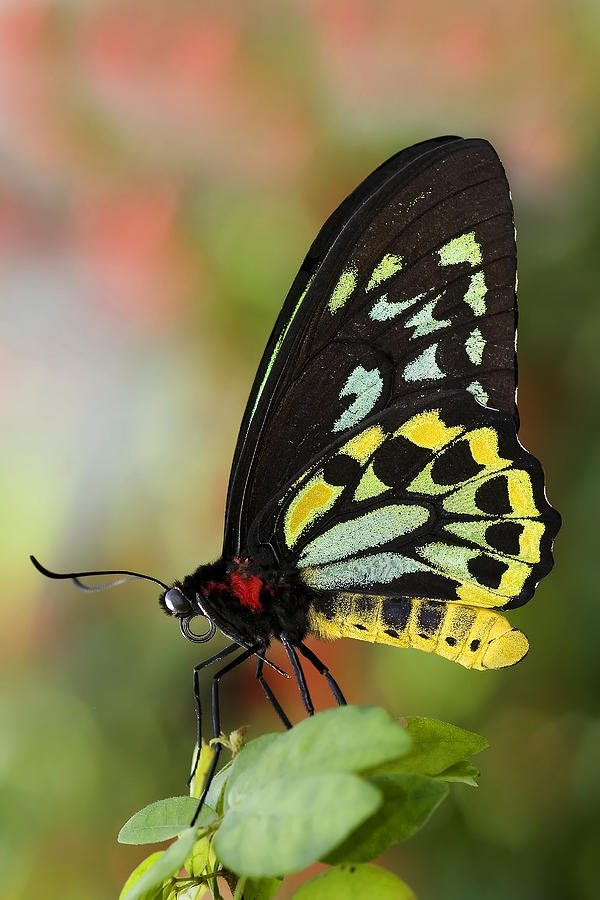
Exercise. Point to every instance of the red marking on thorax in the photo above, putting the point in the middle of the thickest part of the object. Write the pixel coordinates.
(247, 590)
(214, 586)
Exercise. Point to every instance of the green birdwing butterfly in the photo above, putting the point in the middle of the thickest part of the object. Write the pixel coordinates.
(379, 490)
(378, 458)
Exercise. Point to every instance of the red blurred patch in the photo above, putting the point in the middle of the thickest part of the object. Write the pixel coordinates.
(26, 82)
(127, 247)
(166, 62)
(468, 46)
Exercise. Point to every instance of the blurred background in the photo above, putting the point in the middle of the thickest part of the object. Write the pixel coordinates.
(164, 168)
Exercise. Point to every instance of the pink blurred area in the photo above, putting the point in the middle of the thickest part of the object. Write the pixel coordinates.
(111, 110)
(164, 168)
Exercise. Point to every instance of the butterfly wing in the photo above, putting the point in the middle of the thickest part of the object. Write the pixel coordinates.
(443, 503)
(379, 454)
(408, 290)
(414, 530)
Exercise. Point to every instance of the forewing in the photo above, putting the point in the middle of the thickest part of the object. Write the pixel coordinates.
(407, 293)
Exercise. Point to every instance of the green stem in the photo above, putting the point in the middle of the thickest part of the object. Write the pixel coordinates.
(239, 889)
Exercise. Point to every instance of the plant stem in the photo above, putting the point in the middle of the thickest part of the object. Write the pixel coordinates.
(239, 889)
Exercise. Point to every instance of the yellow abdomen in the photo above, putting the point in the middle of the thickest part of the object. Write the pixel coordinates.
(474, 637)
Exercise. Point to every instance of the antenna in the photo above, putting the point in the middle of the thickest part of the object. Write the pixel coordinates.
(75, 576)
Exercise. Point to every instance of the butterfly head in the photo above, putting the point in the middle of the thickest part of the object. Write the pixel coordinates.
(177, 602)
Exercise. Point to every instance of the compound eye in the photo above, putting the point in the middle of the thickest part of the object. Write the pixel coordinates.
(177, 602)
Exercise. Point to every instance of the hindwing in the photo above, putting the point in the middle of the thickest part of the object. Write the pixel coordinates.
(442, 504)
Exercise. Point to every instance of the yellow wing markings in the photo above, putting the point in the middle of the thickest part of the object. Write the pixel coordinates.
(428, 430)
(314, 499)
(363, 445)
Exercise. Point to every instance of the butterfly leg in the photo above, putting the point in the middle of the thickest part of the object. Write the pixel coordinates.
(270, 695)
(299, 674)
(197, 669)
(216, 718)
(323, 670)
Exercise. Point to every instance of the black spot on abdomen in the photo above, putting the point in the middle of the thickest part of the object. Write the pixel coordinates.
(430, 618)
(327, 607)
(395, 613)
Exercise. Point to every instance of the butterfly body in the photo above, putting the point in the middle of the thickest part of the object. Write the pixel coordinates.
(248, 602)
(379, 489)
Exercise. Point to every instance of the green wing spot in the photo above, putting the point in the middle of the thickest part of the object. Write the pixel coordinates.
(465, 565)
(461, 249)
(373, 529)
(423, 321)
(385, 309)
(465, 249)
(343, 289)
(476, 292)
(518, 539)
(424, 366)
(474, 345)
(449, 558)
(478, 391)
(370, 485)
(361, 571)
(388, 266)
(367, 385)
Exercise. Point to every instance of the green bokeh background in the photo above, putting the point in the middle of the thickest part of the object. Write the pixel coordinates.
(164, 168)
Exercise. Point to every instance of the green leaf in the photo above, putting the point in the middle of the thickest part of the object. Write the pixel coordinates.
(137, 874)
(166, 864)
(261, 888)
(197, 861)
(214, 798)
(291, 822)
(345, 739)
(463, 771)
(435, 747)
(408, 801)
(163, 820)
(246, 758)
(349, 882)
(175, 891)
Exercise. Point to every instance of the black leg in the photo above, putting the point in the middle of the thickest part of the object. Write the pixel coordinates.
(197, 703)
(216, 717)
(270, 695)
(300, 679)
(323, 670)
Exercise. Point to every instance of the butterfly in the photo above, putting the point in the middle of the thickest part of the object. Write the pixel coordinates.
(379, 490)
